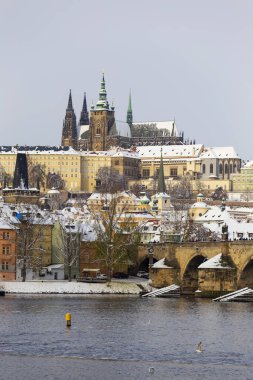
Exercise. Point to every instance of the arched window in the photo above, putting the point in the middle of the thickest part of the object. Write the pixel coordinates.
(226, 168)
(220, 169)
(211, 168)
(98, 131)
(235, 168)
(203, 168)
(231, 168)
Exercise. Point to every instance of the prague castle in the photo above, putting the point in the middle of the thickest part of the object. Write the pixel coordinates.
(100, 131)
(133, 150)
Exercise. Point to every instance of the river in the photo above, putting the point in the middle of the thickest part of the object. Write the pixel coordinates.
(124, 337)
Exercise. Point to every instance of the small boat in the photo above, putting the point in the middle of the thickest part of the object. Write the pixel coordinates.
(2, 292)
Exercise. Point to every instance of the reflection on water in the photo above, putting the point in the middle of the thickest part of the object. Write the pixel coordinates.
(122, 330)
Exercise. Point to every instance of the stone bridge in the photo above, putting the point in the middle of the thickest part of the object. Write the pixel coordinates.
(183, 259)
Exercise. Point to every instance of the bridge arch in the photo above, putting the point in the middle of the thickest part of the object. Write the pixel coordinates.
(144, 264)
(190, 274)
(246, 275)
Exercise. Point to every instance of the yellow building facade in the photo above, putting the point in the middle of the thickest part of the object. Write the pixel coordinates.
(79, 169)
(243, 182)
(67, 164)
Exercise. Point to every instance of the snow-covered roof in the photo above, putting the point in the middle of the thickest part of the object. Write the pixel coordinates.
(248, 165)
(4, 225)
(53, 191)
(161, 195)
(123, 128)
(214, 213)
(219, 152)
(199, 205)
(160, 264)
(170, 151)
(55, 266)
(215, 262)
(81, 129)
(100, 196)
(169, 124)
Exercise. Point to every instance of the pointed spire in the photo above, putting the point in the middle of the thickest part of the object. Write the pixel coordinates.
(70, 105)
(84, 117)
(69, 129)
(161, 181)
(102, 103)
(129, 119)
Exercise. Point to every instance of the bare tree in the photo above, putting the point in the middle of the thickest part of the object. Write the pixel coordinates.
(219, 194)
(109, 180)
(69, 233)
(117, 235)
(184, 229)
(33, 234)
(5, 178)
(55, 180)
(36, 174)
(181, 193)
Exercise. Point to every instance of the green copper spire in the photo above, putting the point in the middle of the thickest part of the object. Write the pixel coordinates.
(129, 119)
(161, 181)
(102, 104)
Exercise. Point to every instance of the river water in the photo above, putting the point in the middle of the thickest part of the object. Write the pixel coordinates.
(124, 337)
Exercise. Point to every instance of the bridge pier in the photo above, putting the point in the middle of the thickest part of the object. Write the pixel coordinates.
(184, 259)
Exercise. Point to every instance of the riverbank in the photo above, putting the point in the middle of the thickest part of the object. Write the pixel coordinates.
(66, 287)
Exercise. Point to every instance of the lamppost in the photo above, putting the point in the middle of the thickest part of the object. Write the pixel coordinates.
(110, 260)
(150, 254)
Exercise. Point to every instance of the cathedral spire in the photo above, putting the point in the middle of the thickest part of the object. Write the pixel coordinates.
(84, 117)
(102, 103)
(161, 181)
(70, 105)
(129, 119)
(69, 129)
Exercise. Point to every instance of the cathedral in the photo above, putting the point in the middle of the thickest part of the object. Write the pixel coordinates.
(99, 131)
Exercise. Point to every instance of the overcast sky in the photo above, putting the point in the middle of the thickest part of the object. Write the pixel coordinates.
(188, 59)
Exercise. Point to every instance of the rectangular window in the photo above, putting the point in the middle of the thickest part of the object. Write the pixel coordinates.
(173, 172)
(5, 265)
(146, 173)
(116, 162)
(6, 250)
(6, 235)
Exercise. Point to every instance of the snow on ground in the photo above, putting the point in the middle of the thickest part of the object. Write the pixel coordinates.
(65, 287)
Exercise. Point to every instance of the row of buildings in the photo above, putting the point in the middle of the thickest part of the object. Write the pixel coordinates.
(213, 167)
(130, 149)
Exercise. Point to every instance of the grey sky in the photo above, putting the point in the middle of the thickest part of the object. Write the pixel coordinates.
(188, 59)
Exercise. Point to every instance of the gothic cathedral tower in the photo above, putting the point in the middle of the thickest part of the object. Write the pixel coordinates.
(101, 121)
(69, 129)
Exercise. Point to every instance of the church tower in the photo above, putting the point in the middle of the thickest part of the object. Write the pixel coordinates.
(129, 118)
(161, 180)
(84, 117)
(101, 121)
(69, 129)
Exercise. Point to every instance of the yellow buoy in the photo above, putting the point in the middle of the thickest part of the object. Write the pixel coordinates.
(68, 319)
